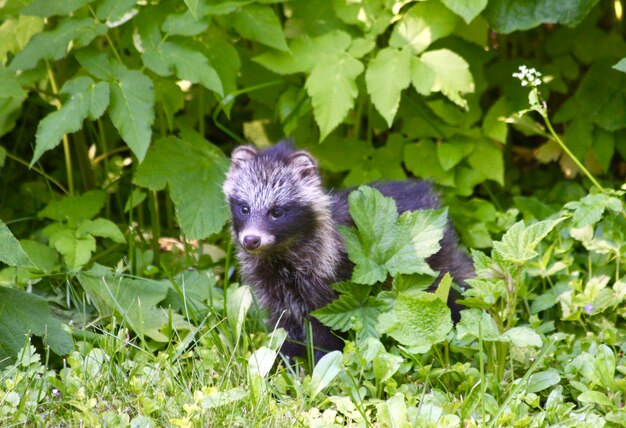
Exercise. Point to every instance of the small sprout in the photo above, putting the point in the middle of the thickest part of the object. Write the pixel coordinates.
(528, 76)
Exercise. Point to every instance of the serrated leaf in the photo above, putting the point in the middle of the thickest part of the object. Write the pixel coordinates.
(385, 243)
(332, 88)
(132, 109)
(194, 171)
(184, 24)
(591, 208)
(466, 9)
(188, 64)
(346, 313)
(75, 249)
(305, 53)
(47, 8)
(55, 44)
(387, 75)
(522, 337)
(103, 228)
(23, 314)
(507, 16)
(74, 209)
(478, 324)
(452, 75)
(326, 369)
(519, 242)
(11, 252)
(86, 99)
(417, 321)
(98, 64)
(260, 23)
(9, 86)
(424, 23)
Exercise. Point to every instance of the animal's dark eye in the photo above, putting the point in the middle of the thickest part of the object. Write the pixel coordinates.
(245, 209)
(277, 213)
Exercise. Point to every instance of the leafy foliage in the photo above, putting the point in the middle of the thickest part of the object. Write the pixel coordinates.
(114, 119)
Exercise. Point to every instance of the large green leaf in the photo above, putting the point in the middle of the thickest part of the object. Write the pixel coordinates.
(417, 321)
(385, 243)
(47, 8)
(194, 171)
(132, 108)
(466, 9)
(22, 314)
(11, 252)
(446, 72)
(424, 23)
(333, 89)
(305, 53)
(188, 64)
(387, 75)
(260, 23)
(519, 242)
(134, 301)
(9, 86)
(506, 16)
(74, 209)
(86, 99)
(54, 44)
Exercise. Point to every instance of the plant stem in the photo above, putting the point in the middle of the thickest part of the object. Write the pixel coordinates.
(37, 170)
(580, 166)
(66, 141)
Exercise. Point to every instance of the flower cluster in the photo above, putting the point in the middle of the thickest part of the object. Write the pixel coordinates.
(528, 76)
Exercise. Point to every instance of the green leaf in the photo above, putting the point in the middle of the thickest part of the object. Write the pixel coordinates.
(487, 159)
(238, 302)
(86, 99)
(194, 171)
(133, 301)
(595, 397)
(305, 53)
(589, 210)
(11, 252)
(522, 337)
(478, 324)
(22, 314)
(506, 16)
(260, 23)
(417, 321)
(386, 243)
(47, 8)
(422, 160)
(54, 44)
(192, 5)
(326, 369)
(621, 65)
(116, 12)
(103, 228)
(9, 85)
(332, 88)
(132, 109)
(466, 9)
(423, 24)
(75, 248)
(74, 209)
(188, 64)
(519, 242)
(99, 65)
(44, 258)
(451, 73)
(184, 24)
(349, 313)
(393, 412)
(542, 380)
(387, 75)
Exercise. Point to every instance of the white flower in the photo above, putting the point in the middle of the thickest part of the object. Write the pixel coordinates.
(528, 76)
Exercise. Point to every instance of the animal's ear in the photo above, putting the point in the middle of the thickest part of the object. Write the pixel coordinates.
(242, 154)
(304, 163)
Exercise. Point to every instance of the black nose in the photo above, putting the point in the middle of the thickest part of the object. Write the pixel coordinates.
(251, 242)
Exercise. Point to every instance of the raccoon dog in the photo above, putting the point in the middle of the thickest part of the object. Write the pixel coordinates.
(288, 244)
